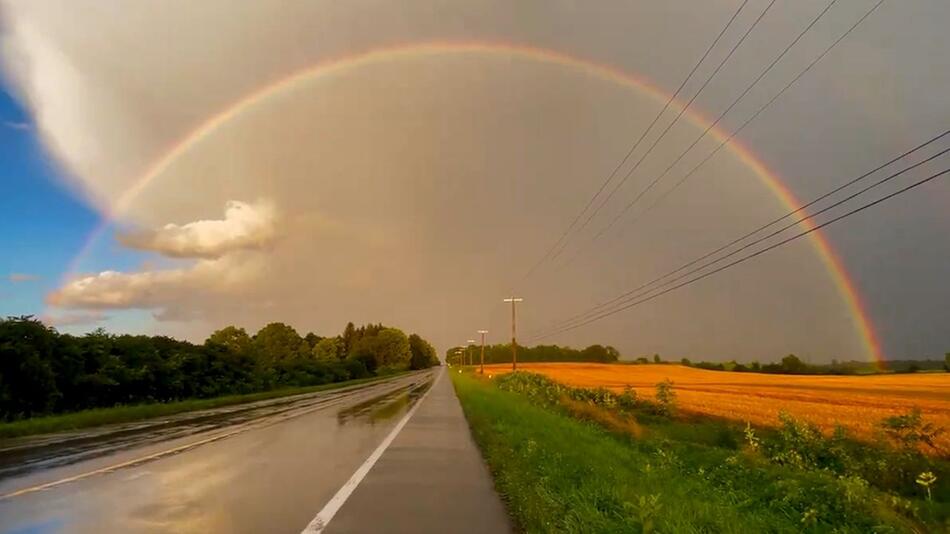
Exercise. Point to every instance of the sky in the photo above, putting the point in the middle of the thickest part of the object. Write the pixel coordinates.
(172, 167)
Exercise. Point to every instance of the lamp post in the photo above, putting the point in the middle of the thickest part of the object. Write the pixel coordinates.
(481, 369)
(468, 350)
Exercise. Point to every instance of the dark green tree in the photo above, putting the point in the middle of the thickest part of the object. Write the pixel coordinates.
(422, 354)
(349, 338)
(235, 340)
(277, 342)
(792, 364)
(27, 383)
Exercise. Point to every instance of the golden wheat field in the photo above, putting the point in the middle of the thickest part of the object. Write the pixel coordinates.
(856, 402)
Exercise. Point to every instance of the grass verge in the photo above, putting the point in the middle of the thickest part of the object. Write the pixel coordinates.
(567, 473)
(127, 414)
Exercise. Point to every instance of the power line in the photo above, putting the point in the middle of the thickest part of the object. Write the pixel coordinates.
(669, 126)
(611, 176)
(753, 255)
(771, 223)
(731, 136)
(715, 122)
(638, 291)
(766, 105)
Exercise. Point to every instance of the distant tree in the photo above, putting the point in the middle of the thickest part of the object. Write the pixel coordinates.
(422, 354)
(656, 359)
(312, 339)
(642, 360)
(595, 353)
(278, 341)
(792, 364)
(389, 348)
(232, 338)
(686, 362)
(393, 346)
(946, 361)
(755, 366)
(328, 349)
(349, 337)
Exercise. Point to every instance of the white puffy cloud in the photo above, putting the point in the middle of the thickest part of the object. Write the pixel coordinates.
(245, 226)
(229, 263)
(157, 289)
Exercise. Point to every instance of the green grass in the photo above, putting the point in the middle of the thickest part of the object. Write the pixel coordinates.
(560, 474)
(127, 414)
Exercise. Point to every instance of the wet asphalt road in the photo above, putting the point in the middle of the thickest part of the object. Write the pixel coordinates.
(265, 467)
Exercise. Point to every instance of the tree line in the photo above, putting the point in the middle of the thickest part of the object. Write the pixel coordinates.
(793, 365)
(501, 353)
(43, 371)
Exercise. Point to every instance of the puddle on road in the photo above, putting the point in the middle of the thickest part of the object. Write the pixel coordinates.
(23, 456)
(261, 481)
(383, 407)
(31, 454)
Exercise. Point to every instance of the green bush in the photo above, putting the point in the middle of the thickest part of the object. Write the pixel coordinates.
(665, 397)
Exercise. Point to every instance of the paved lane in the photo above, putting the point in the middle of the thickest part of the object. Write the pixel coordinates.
(432, 479)
(265, 468)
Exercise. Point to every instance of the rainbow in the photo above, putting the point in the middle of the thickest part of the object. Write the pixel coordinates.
(340, 65)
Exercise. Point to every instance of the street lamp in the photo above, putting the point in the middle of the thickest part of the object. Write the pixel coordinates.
(468, 350)
(482, 360)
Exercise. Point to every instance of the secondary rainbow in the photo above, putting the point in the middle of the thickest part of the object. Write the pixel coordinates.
(340, 65)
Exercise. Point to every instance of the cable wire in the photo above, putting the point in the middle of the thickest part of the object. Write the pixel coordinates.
(755, 254)
(767, 225)
(566, 326)
(671, 124)
(713, 124)
(731, 136)
(611, 176)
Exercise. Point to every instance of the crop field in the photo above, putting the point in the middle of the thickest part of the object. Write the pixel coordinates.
(858, 403)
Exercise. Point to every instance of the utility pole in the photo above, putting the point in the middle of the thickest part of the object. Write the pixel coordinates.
(482, 360)
(468, 350)
(514, 342)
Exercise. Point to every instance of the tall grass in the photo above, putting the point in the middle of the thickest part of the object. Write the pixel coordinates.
(574, 461)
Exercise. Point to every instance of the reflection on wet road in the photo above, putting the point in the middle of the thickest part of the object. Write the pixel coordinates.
(263, 467)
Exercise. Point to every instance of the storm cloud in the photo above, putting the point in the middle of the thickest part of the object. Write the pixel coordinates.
(418, 190)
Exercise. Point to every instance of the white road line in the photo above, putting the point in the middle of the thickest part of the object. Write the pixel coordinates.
(108, 469)
(324, 516)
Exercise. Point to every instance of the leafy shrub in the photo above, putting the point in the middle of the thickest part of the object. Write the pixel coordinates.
(627, 401)
(666, 397)
(909, 431)
(542, 390)
(801, 444)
